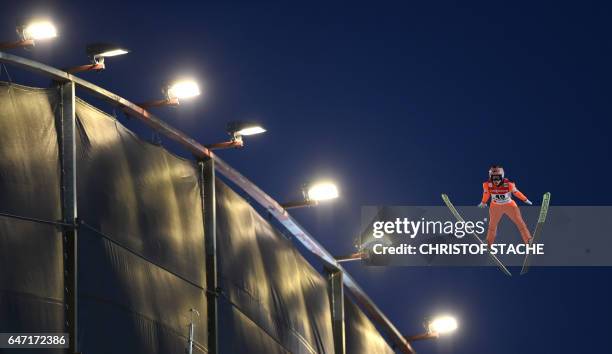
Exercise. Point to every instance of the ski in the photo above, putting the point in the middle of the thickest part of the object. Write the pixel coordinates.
(458, 216)
(538, 228)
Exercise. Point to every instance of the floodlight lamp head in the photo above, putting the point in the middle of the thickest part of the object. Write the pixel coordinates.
(98, 51)
(181, 89)
(442, 325)
(36, 30)
(320, 191)
(239, 129)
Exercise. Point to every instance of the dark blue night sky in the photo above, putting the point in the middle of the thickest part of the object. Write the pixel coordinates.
(398, 103)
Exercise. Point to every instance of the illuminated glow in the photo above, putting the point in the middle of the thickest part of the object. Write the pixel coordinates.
(239, 128)
(251, 130)
(323, 191)
(39, 30)
(183, 89)
(112, 53)
(104, 50)
(443, 324)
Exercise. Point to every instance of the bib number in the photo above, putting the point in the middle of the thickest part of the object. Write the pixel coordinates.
(501, 198)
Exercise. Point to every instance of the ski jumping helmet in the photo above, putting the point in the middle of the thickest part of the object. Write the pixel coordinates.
(496, 170)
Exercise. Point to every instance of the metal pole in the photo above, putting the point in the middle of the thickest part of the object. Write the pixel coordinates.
(67, 123)
(190, 339)
(299, 204)
(191, 330)
(351, 257)
(423, 336)
(87, 67)
(336, 299)
(18, 44)
(209, 207)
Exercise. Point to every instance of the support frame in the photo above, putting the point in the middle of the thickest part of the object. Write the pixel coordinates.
(67, 145)
(209, 210)
(336, 300)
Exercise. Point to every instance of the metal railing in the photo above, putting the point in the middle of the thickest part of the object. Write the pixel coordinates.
(203, 154)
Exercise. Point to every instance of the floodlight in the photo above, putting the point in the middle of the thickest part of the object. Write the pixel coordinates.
(313, 194)
(237, 130)
(175, 92)
(251, 131)
(443, 325)
(183, 89)
(31, 32)
(37, 30)
(438, 326)
(96, 53)
(322, 191)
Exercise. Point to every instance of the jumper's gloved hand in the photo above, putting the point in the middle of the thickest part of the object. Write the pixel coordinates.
(528, 202)
(482, 205)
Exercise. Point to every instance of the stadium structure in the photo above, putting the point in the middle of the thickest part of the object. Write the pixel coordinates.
(129, 248)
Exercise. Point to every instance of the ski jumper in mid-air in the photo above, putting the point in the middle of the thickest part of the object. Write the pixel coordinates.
(500, 190)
